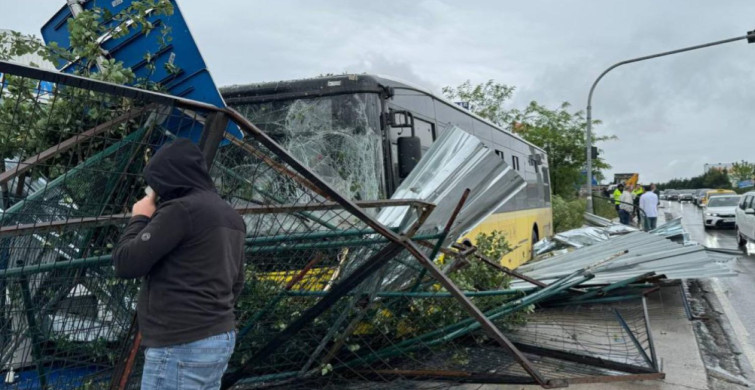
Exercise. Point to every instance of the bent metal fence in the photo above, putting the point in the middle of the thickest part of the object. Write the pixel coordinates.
(332, 298)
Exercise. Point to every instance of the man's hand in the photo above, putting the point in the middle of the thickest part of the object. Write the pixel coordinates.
(146, 206)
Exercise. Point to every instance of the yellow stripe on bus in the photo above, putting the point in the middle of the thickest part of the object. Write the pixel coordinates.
(517, 226)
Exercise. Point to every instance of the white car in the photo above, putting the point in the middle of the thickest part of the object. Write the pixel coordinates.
(745, 219)
(721, 211)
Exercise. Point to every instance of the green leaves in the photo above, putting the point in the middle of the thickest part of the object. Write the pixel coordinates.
(15, 44)
(742, 170)
(30, 122)
(567, 215)
(486, 100)
(478, 276)
(560, 132)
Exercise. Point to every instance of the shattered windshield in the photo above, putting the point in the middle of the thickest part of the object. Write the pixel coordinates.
(338, 137)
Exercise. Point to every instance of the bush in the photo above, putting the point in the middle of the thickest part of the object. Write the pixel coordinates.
(604, 207)
(567, 214)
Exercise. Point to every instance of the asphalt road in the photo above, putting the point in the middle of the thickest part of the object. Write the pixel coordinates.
(740, 290)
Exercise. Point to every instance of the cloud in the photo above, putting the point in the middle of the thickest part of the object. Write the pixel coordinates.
(689, 108)
(375, 63)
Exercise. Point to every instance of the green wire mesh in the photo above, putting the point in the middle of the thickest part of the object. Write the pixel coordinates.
(332, 299)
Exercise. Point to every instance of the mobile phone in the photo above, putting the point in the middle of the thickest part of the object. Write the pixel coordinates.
(150, 192)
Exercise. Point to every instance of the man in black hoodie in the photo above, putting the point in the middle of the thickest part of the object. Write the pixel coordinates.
(189, 250)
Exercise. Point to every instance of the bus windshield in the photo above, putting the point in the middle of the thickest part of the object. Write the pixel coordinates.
(338, 137)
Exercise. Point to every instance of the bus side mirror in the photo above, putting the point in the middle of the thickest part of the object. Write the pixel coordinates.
(409, 154)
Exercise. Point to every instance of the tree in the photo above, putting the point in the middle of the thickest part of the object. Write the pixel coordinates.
(742, 171)
(29, 124)
(714, 178)
(558, 131)
(486, 100)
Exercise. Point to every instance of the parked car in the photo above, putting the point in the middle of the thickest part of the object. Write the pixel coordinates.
(673, 195)
(721, 211)
(713, 193)
(698, 196)
(745, 219)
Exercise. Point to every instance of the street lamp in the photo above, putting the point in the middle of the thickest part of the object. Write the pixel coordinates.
(750, 39)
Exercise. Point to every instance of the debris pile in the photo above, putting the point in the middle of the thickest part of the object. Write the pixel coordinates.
(632, 253)
(333, 297)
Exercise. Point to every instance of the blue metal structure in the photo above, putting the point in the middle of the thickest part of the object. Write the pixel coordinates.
(191, 80)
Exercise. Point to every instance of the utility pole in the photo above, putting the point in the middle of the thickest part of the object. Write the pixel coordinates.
(588, 138)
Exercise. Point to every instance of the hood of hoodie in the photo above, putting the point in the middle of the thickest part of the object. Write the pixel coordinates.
(177, 169)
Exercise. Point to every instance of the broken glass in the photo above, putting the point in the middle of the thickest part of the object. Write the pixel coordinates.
(337, 137)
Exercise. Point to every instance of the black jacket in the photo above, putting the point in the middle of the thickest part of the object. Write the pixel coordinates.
(190, 252)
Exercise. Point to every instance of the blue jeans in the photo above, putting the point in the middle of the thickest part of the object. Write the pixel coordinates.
(624, 217)
(198, 365)
(649, 223)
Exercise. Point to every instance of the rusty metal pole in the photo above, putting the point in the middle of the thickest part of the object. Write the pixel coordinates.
(212, 134)
(439, 244)
(485, 323)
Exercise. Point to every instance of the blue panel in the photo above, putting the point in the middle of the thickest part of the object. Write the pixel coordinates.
(46, 89)
(192, 81)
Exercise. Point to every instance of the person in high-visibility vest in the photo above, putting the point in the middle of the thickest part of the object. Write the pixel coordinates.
(636, 193)
(617, 195)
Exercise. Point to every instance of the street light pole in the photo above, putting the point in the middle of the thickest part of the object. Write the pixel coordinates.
(588, 139)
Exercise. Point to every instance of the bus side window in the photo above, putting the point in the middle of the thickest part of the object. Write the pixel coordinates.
(423, 130)
(426, 133)
(546, 185)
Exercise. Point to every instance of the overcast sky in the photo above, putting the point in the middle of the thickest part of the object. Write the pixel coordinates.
(671, 115)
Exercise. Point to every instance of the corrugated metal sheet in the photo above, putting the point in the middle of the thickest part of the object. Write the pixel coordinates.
(645, 252)
(456, 161)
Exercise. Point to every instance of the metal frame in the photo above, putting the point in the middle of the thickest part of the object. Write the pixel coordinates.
(53, 151)
(395, 242)
(631, 335)
(11, 230)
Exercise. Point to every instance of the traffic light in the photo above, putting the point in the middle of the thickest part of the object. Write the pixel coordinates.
(594, 152)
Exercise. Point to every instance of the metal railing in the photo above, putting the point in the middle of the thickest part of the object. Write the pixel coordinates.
(603, 205)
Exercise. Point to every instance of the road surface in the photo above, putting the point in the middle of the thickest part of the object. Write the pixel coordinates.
(739, 290)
